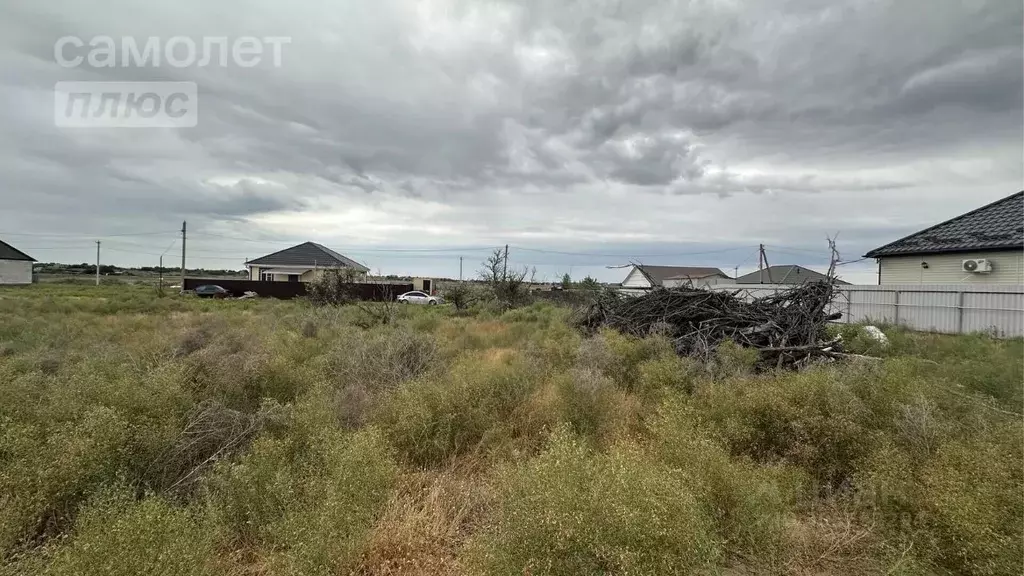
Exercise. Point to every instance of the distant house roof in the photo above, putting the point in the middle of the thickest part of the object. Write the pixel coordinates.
(995, 226)
(784, 274)
(8, 252)
(662, 273)
(308, 254)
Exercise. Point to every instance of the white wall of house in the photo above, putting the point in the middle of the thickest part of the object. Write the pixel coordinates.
(1007, 268)
(636, 279)
(15, 272)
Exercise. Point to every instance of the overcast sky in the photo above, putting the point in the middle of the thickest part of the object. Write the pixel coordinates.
(584, 134)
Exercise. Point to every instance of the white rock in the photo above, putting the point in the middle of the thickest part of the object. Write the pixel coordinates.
(877, 335)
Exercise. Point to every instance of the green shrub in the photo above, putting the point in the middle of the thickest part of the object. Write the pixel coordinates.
(732, 360)
(570, 511)
(974, 503)
(558, 346)
(590, 401)
(309, 509)
(750, 504)
(382, 358)
(116, 535)
(812, 419)
(52, 471)
(668, 371)
(334, 505)
(620, 356)
(434, 418)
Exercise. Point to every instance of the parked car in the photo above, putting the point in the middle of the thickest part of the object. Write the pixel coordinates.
(417, 297)
(212, 291)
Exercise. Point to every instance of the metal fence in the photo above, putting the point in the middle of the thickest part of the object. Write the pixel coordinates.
(997, 309)
(287, 290)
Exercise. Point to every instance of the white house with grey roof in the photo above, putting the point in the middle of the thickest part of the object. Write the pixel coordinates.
(15, 265)
(785, 274)
(985, 245)
(673, 277)
(301, 263)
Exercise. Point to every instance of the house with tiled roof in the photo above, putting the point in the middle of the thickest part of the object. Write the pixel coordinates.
(785, 274)
(301, 263)
(985, 245)
(645, 277)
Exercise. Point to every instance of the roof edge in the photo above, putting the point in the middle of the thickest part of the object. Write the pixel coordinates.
(996, 248)
(873, 253)
(26, 258)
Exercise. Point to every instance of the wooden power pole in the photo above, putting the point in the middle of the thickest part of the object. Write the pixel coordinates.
(182, 255)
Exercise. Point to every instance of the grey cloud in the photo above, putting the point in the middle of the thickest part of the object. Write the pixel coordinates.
(523, 116)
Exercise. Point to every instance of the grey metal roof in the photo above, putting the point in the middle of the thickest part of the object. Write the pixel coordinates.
(8, 252)
(995, 226)
(784, 274)
(308, 254)
(662, 273)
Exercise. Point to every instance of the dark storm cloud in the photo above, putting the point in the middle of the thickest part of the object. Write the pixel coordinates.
(551, 120)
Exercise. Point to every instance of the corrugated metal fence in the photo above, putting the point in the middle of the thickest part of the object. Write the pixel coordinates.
(996, 309)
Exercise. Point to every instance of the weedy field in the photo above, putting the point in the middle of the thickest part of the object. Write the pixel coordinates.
(166, 435)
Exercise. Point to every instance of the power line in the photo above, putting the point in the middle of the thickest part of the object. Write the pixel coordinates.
(793, 248)
(85, 236)
(543, 251)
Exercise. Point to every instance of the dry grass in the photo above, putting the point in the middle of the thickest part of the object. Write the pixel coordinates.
(172, 435)
(425, 525)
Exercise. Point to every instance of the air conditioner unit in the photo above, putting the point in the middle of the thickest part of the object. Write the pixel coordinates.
(976, 266)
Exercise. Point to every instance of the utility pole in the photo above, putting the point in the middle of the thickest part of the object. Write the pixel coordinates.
(460, 268)
(504, 268)
(161, 267)
(182, 255)
(98, 262)
(760, 264)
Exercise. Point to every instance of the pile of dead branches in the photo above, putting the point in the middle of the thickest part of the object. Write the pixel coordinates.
(788, 328)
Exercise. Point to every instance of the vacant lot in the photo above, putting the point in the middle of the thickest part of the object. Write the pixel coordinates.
(147, 435)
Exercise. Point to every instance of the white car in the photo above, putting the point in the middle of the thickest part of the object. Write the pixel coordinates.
(417, 297)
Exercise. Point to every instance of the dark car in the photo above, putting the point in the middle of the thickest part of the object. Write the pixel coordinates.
(211, 291)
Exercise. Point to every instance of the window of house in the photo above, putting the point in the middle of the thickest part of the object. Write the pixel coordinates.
(293, 277)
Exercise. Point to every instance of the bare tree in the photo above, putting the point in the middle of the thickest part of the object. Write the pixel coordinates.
(508, 285)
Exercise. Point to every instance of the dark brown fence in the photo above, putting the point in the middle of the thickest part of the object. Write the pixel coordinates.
(287, 290)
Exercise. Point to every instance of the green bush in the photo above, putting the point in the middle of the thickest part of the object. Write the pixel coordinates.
(590, 402)
(435, 418)
(750, 504)
(974, 497)
(732, 360)
(570, 511)
(812, 419)
(309, 510)
(620, 356)
(382, 358)
(668, 371)
(117, 535)
(50, 471)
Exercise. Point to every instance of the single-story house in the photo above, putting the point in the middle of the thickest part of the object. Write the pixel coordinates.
(301, 263)
(985, 245)
(674, 277)
(15, 265)
(783, 274)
